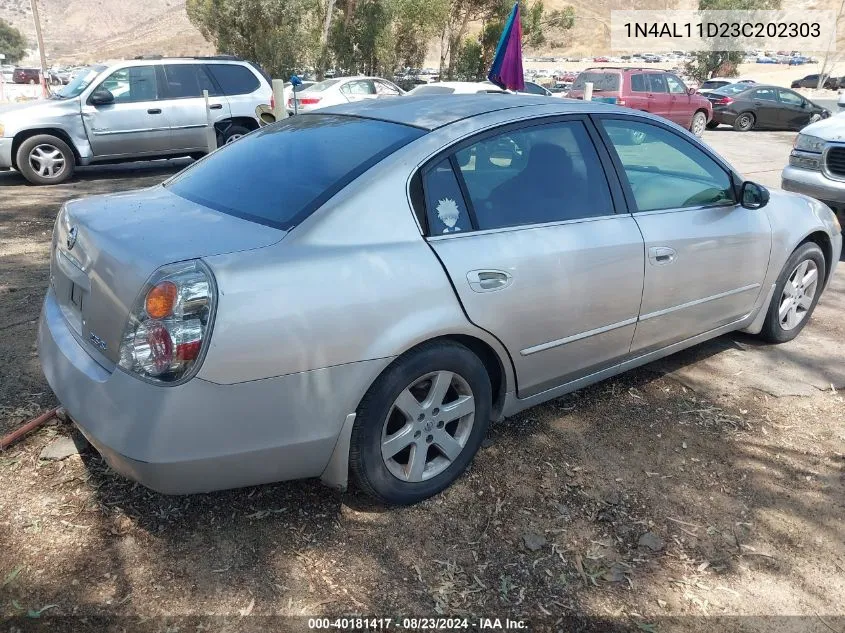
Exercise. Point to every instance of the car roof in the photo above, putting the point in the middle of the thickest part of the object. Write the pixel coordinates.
(430, 112)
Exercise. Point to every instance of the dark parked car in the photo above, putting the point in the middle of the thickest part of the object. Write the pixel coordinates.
(651, 90)
(26, 76)
(812, 81)
(763, 107)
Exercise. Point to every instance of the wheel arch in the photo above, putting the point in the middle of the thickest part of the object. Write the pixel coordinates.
(246, 121)
(59, 133)
(822, 240)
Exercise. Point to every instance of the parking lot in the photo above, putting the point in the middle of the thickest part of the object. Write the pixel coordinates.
(709, 483)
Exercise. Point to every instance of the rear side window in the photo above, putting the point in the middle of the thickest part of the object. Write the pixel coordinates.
(601, 81)
(234, 79)
(317, 155)
(445, 207)
(183, 81)
(638, 83)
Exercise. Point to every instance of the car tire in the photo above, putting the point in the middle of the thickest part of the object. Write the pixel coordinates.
(45, 160)
(232, 134)
(712, 125)
(699, 123)
(418, 429)
(744, 122)
(793, 303)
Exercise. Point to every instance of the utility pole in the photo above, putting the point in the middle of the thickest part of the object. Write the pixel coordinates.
(40, 38)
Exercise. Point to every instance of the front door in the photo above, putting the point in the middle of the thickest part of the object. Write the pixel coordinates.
(680, 102)
(184, 104)
(795, 111)
(134, 124)
(706, 256)
(523, 221)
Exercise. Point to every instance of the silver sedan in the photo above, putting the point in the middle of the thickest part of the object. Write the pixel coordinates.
(364, 289)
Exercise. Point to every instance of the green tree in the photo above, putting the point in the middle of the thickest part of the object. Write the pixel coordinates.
(470, 65)
(281, 35)
(12, 43)
(714, 63)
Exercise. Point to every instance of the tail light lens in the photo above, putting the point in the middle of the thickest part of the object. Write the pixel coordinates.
(272, 101)
(723, 101)
(309, 100)
(169, 326)
(290, 102)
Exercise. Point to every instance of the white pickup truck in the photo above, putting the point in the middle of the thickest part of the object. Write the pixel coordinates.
(817, 163)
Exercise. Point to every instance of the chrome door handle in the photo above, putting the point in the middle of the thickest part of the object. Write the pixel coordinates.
(488, 280)
(215, 106)
(661, 255)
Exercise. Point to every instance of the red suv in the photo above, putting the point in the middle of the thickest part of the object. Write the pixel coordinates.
(651, 90)
(26, 76)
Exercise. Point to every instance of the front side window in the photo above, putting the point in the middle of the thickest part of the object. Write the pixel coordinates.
(358, 88)
(790, 98)
(384, 89)
(130, 85)
(543, 173)
(314, 168)
(664, 170)
(675, 85)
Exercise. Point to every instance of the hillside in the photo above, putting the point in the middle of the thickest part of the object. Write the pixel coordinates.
(89, 30)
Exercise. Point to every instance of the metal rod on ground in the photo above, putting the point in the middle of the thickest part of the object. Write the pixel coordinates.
(30, 426)
(41, 53)
(280, 111)
(210, 135)
(588, 91)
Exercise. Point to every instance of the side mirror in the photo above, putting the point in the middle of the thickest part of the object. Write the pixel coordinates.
(753, 196)
(690, 91)
(101, 96)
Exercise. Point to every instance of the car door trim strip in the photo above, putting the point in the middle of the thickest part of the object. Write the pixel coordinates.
(576, 337)
(138, 131)
(528, 351)
(691, 304)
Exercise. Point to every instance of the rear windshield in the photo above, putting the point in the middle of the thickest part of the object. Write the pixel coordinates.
(608, 82)
(280, 174)
(708, 85)
(432, 90)
(732, 89)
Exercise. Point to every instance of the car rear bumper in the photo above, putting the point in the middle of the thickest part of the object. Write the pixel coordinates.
(6, 152)
(725, 117)
(201, 436)
(814, 184)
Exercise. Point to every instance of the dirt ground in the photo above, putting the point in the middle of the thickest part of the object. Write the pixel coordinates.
(705, 492)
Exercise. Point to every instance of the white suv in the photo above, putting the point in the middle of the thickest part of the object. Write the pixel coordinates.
(132, 110)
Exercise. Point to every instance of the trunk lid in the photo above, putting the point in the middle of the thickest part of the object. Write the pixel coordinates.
(106, 247)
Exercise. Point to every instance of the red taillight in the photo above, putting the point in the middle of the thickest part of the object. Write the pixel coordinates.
(272, 101)
(290, 102)
(723, 101)
(309, 100)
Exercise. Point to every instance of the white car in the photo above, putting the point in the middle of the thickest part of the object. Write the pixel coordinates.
(714, 83)
(340, 90)
(455, 87)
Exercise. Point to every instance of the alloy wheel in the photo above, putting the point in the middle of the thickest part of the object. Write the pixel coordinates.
(699, 122)
(798, 294)
(47, 160)
(428, 426)
(233, 138)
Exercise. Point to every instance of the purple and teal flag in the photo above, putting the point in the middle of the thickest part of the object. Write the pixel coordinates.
(506, 71)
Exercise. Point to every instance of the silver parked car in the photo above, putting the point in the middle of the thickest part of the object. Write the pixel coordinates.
(418, 268)
(133, 110)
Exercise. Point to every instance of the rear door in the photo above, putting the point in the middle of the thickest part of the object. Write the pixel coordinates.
(135, 123)
(795, 110)
(767, 107)
(637, 97)
(182, 85)
(658, 95)
(523, 220)
(706, 255)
